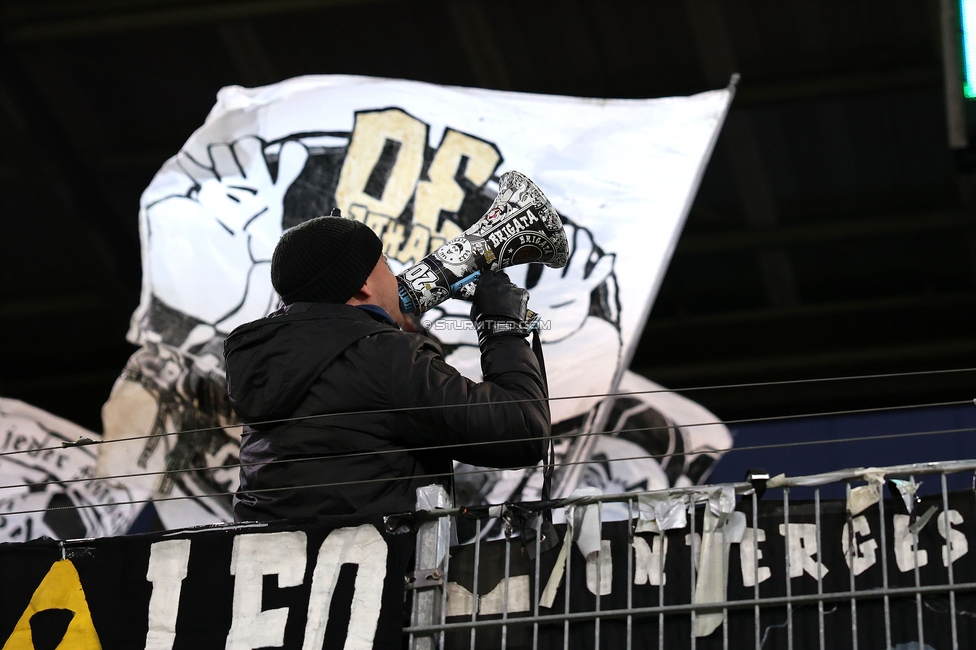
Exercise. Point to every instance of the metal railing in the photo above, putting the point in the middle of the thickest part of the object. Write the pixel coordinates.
(742, 565)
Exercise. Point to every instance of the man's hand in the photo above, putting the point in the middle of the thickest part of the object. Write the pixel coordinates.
(498, 307)
(561, 296)
(222, 236)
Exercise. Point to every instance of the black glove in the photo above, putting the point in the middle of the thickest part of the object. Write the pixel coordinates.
(498, 307)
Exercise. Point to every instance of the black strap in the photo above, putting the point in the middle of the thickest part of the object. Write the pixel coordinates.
(550, 461)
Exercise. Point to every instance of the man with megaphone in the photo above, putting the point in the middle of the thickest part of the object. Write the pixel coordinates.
(346, 413)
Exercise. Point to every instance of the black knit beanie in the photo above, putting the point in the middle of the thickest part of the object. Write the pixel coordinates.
(326, 259)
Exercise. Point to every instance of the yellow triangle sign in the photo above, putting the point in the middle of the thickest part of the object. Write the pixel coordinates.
(60, 589)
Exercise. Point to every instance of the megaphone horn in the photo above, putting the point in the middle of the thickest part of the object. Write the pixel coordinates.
(521, 226)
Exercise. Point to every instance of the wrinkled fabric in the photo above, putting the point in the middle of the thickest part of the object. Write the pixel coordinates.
(360, 398)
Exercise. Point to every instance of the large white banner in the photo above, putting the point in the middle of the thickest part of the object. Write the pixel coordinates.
(418, 163)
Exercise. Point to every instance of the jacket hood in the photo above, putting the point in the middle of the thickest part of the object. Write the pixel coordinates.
(272, 362)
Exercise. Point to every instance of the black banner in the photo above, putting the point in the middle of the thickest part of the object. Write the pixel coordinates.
(312, 586)
(338, 583)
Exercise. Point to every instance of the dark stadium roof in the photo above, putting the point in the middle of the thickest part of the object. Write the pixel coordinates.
(834, 233)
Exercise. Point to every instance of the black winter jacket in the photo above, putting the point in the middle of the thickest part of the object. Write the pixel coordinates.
(392, 392)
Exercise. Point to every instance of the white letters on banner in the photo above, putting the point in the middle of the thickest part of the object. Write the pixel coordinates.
(283, 554)
(600, 563)
(255, 556)
(864, 554)
(907, 554)
(649, 561)
(803, 548)
(460, 601)
(956, 543)
(167, 568)
(365, 548)
(750, 552)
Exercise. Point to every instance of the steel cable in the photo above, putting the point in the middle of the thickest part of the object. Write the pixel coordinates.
(438, 475)
(572, 435)
(406, 409)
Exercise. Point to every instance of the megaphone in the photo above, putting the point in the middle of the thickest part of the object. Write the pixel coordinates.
(521, 226)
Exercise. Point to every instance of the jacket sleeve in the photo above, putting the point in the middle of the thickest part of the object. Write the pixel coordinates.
(508, 411)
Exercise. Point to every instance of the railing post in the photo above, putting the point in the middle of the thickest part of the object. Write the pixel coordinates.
(429, 579)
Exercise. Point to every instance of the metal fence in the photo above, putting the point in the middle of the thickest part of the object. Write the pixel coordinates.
(765, 563)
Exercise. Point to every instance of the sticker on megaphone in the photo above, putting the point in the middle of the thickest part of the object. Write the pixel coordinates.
(521, 226)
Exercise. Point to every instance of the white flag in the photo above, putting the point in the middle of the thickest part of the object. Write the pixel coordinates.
(418, 163)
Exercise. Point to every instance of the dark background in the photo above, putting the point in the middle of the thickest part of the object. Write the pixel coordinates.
(834, 233)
